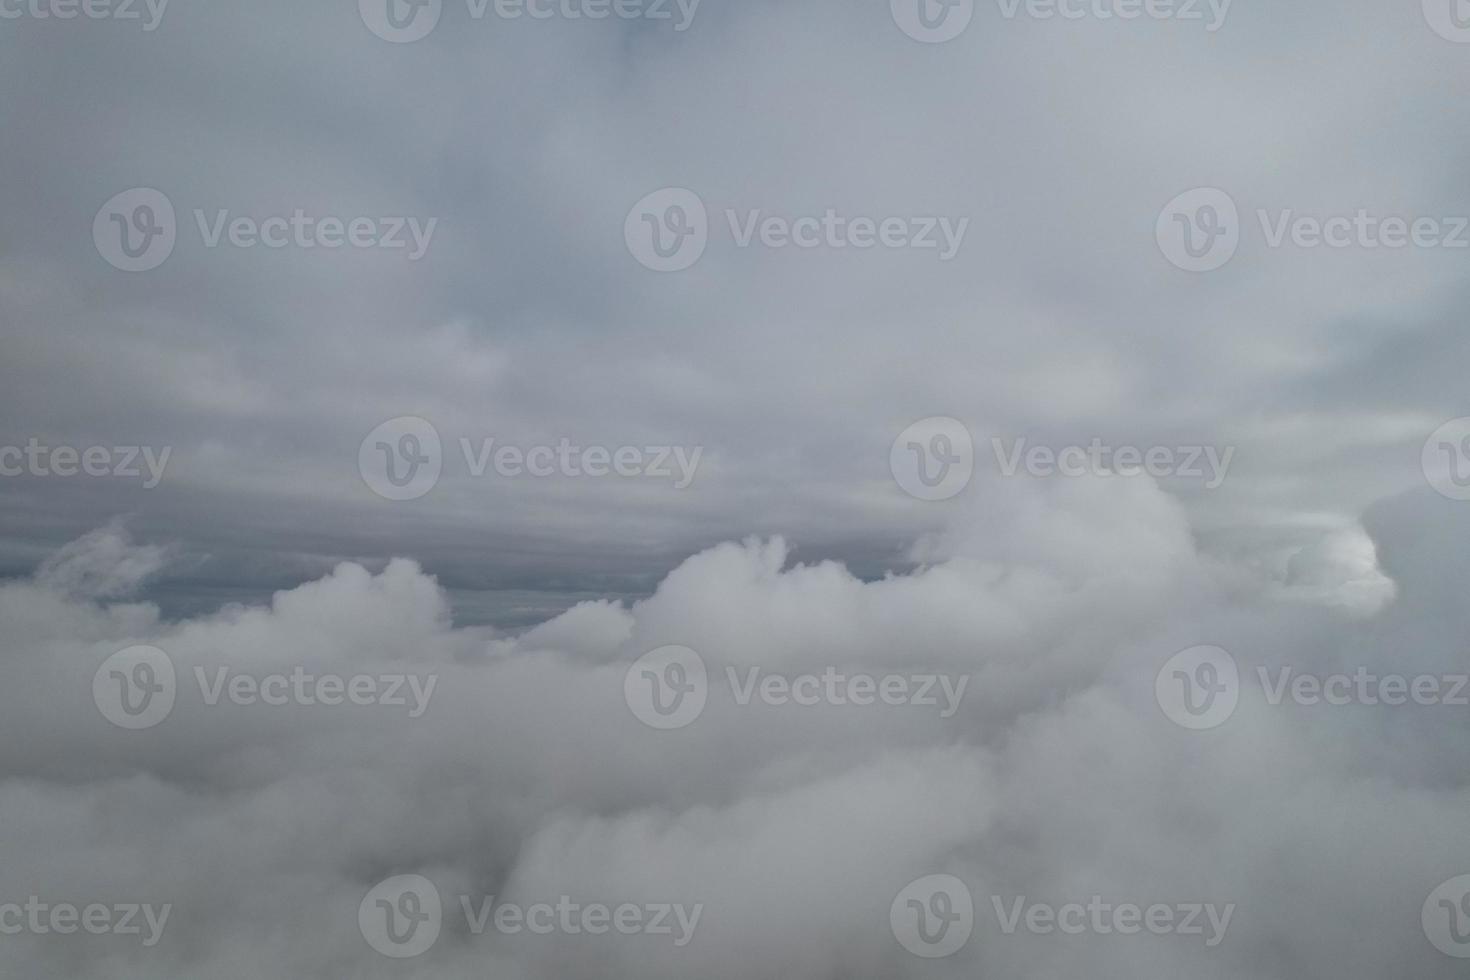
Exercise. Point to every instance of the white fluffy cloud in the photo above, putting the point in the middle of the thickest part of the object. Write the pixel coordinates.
(792, 828)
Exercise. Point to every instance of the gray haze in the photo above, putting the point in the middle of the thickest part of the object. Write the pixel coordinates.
(528, 321)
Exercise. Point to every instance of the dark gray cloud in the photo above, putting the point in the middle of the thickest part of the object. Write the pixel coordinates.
(527, 321)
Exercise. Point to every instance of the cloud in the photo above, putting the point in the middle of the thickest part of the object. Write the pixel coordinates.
(529, 322)
(305, 621)
(792, 828)
(103, 564)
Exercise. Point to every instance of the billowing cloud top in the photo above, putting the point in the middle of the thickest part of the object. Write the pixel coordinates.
(511, 772)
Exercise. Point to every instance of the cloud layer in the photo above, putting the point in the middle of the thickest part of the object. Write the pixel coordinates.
(791, 827)
(528, 321)
(774, 696)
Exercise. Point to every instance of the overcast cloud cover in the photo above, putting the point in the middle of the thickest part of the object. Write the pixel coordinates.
(1102, 642)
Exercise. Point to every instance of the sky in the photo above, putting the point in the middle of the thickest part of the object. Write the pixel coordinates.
(569, 354)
